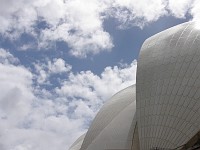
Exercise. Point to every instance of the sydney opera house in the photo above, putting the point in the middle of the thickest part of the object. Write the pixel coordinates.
(160, 112)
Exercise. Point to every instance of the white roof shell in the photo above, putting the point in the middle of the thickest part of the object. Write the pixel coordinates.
(77, 144)
(114, 124)
(168, 98)
(168, 88)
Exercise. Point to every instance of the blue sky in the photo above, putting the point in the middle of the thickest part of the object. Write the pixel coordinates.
(127, 43)
(61, 60)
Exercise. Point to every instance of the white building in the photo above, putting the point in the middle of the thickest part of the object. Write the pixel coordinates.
(163, 110)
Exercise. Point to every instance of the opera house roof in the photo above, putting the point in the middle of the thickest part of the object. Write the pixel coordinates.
(162, 111)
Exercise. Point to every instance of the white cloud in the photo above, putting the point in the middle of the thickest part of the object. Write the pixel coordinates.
(27, 46)
(45, 70)
(137, 13)
(15, 87)
(6, 57)
(58, 66)
(80, 22)
(179, 8)
(42, 76)
(70, 21)
(17, 17)
(97, 89)
(195, 11)
(81, 28)
(34, 118)
(28, 121)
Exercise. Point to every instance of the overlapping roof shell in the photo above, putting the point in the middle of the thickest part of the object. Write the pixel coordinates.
(163, 110)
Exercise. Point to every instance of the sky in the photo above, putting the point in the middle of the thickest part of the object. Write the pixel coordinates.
(60, 60)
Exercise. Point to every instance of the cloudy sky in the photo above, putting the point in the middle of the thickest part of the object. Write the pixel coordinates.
(60, 60)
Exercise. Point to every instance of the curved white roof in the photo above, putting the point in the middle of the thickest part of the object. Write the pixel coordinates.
(168, 88)
(114, 124)
(168, 98)
(77, 144)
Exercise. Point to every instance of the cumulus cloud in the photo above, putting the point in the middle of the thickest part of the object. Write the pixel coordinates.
(45, 70)
(16, 95)
(179, 8)
(137, 13)
(6, 57)
(79, 26)
(27, 120)
(79, 23)
(58, 66)
(15, 100)
(96, 88)
(196, 13)
(32, 117)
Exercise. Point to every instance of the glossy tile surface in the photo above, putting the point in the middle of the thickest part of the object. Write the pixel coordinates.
(168, 88)
(113, 126)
